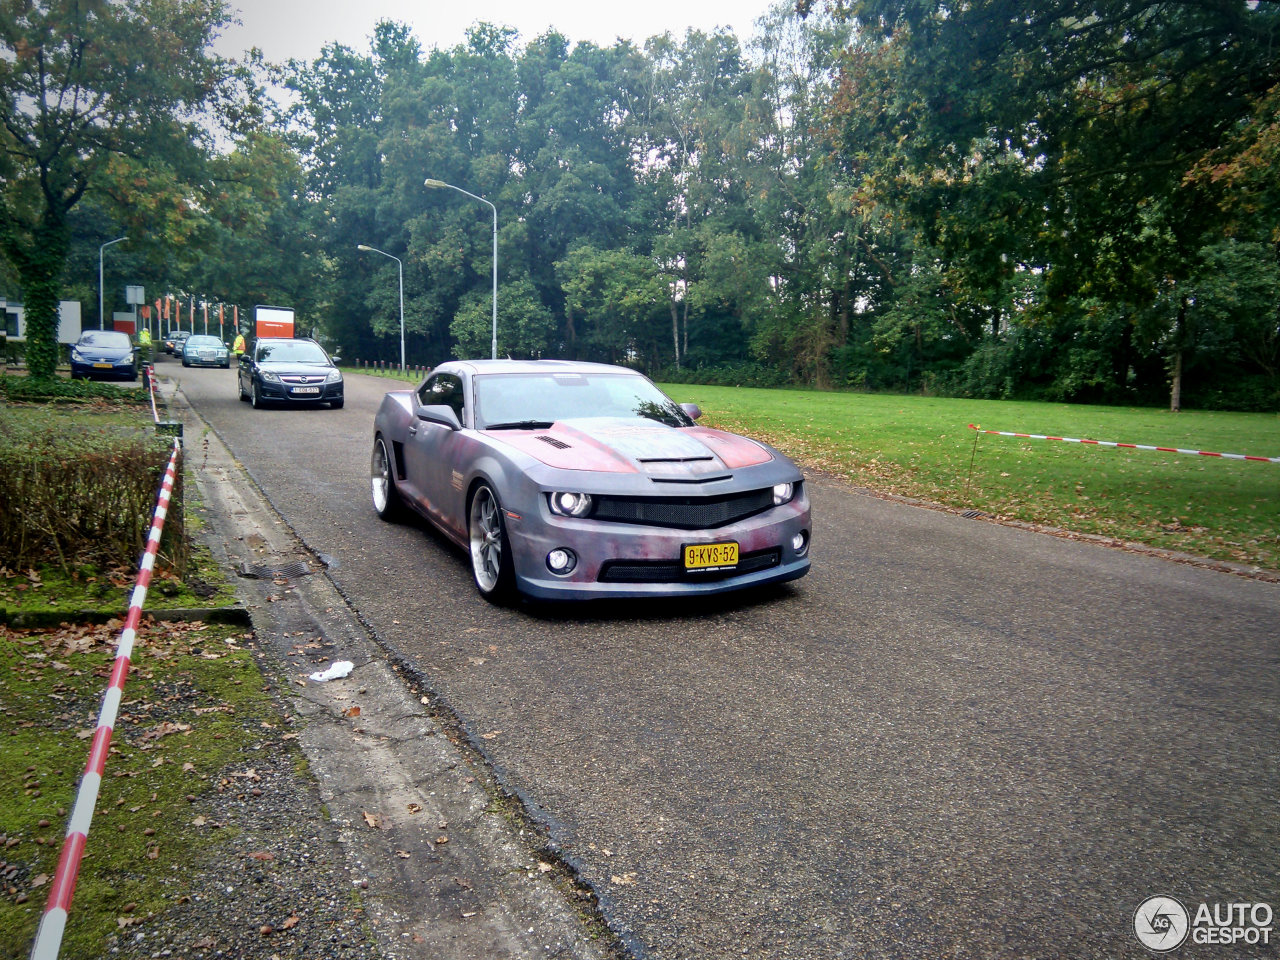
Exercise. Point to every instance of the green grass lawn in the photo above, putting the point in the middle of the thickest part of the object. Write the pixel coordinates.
(188, 678)
(921, 447)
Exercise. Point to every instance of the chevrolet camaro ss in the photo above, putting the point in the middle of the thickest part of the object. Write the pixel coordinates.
(577, 480)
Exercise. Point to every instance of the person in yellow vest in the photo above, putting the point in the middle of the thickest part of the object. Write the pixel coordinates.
(238, 347)
(144, 344)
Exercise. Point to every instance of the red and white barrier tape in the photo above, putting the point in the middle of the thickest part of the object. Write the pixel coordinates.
(1128, 446)
(53, 923)
(151, 388)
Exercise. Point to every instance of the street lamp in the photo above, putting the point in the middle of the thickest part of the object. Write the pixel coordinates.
(102, 323)
(368, 249)
(436, 185)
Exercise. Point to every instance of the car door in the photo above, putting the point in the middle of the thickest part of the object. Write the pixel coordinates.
(434, 455)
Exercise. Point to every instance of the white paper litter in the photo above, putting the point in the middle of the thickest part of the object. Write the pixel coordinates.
(339, 669)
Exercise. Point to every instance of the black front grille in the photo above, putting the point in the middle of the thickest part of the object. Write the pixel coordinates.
(684, 513)
(664, 571)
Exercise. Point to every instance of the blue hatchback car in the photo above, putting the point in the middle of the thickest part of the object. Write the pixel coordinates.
(104, 354)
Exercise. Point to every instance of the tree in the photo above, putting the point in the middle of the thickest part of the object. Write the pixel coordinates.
(76, 92)
(1064, 138)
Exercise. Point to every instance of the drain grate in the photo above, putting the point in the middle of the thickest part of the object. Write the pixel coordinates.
(973, 514)
(266, 572)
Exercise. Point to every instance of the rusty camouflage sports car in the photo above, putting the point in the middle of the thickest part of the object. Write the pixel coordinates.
(577, 480)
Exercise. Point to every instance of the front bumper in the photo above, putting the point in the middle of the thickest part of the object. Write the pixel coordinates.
(287, 392)
(629, 560)
(214, 361)
(107, 369)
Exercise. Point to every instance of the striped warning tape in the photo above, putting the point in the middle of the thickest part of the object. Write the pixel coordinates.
(53, 923)
(1127, 446)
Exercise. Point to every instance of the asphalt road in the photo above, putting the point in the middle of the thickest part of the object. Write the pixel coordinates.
(952, 738)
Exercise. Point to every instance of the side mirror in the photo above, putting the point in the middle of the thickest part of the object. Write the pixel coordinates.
(440, 413)
(692, 410)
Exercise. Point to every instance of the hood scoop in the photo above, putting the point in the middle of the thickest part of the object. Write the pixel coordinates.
(702, 469)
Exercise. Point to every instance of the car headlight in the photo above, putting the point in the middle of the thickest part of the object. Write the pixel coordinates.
(782, 493)
(571, 504)
(335, 376)
(269, 377)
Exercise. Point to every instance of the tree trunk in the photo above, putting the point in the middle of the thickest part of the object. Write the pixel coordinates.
(40, 273)
(675, 330)
(1179, 338)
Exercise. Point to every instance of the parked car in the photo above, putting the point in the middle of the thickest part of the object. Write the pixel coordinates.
(289, 370)
(205, 351)
(174, 341)
(577, 480)
(105, 354)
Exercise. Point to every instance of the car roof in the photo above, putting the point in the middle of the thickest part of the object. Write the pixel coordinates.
(479, 367)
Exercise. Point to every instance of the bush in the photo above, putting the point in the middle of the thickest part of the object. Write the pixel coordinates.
(76, 498)
(29, 390)
(745, 374)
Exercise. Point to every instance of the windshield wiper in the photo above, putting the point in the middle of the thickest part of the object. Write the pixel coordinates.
(520, 425)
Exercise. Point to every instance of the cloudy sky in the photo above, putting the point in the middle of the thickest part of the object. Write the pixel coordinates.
(298, 28)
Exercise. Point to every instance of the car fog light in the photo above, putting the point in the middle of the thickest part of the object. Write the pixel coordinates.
(782, 493)
(800, 543)
(561, 560)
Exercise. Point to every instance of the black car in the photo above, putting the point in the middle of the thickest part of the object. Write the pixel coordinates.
(289, 370)
(174, 342)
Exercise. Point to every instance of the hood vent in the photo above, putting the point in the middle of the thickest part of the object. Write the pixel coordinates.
(558, 444)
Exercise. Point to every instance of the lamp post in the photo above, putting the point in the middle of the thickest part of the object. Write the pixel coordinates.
(400, 267)
(436, 185)
(102, 322)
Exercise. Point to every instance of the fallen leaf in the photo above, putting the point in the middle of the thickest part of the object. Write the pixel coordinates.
(290, 923)
(372, 820)
(415, 808)
(492, 735)
(626, 880)
(39, 881)
(351, 712)
(263, 855)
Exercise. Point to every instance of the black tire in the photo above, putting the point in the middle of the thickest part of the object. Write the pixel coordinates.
(184, 362)
(489, 549)
(386, 499)
(255, 398)
(240, 388)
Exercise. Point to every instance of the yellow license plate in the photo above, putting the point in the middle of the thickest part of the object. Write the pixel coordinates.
(102, 366)
(710, 556)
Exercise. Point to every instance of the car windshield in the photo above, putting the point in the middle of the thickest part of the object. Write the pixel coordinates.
(533, 400)
(291, 351)
(105, 338)
(203, 342)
